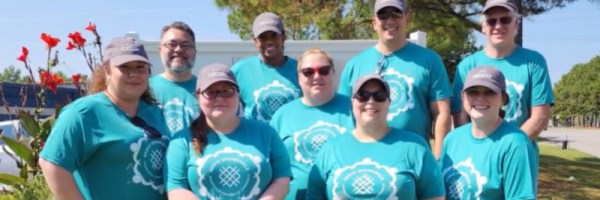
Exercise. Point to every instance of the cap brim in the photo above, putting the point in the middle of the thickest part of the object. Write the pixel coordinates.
(490, 86)
(265, 29)
(366, 80)
(206, 85)
(503, 5)
(120, 60)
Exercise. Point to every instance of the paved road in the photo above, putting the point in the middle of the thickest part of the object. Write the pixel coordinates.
(586, 140)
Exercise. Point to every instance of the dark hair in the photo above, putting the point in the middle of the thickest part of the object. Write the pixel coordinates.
(199, 129)
(98, 84)
(179, 26)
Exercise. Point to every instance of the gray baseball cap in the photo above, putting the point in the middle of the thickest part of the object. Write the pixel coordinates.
(399, 4)
(508, 4)
(267, 22)
(360, 82)
(486, 76)
(121, 50)
(213, 73)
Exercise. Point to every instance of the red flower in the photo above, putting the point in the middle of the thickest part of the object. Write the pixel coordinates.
(24, 54)
(42, 144)
(76, 78)
(70, 46)
(91, 27)
(51, 81)
(49, 40)
(77, 39)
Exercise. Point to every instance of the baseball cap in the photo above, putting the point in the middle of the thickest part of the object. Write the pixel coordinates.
(366, 78)
(399, 4)
(508, 4)
(121, 50)
(213, 73)
(267, 22)
(486, 76)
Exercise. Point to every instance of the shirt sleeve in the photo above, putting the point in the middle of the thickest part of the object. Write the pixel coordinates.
(70, 141)
(345, 86)
(457, 86)
(439, 86)
(175, 168)
(520, 172)
(430, 183)
(317, 178)
(280, 160)
(541, 86)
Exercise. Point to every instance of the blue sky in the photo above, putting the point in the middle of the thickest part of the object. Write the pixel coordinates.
(564, 36)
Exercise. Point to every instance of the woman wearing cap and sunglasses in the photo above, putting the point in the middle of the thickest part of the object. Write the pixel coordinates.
(222, 156)
(488, 158)
(110, 144)
(375, 161)
(305, 124)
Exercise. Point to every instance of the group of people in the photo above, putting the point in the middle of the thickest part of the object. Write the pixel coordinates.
(272, 127)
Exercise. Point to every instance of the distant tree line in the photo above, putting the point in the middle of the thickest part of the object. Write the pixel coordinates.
(11, 74)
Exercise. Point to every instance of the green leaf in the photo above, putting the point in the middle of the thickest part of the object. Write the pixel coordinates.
(30, 125)
(11, 180)
(47, 125)
(24, 173)
(21, 150)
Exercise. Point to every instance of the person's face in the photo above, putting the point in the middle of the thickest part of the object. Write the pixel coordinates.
(500, 26)
(390, 23)
(130, 80)
(316, 76)
(371, 103)
(270, 44)
(177, 51)
(220, 100)
(482, 103)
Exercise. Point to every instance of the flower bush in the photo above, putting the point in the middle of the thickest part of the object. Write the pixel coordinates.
(26, 148)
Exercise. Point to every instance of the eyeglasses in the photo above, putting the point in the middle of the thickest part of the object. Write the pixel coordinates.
(503, 20)
(225, 93)
(378, 96)
(386, 15)
(174, 45)
(149, 131)
(310, 71)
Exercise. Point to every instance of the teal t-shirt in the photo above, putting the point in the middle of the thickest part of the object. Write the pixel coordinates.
(500, 166)
(238, 165)
(399, 166)
(263, 88)
(305, 130)
(416, 76)
(110, 158)
(527, 82)
(177, 99)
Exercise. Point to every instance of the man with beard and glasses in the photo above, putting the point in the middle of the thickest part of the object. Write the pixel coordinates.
(419, 86)
(270, 79)
(175, 87)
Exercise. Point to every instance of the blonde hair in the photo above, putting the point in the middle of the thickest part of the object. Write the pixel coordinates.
(98, 84)
(315, 50)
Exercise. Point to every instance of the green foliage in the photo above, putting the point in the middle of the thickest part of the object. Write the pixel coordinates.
(577, 93)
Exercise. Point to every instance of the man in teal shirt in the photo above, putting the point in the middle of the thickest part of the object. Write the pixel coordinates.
(270, 79)
(175, 87)
(420, 89)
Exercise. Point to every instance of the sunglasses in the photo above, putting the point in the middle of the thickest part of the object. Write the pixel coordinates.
(149, 131)
(309, 72)
(386, 15)
(503, 20)
(225, 93)
(378, 96)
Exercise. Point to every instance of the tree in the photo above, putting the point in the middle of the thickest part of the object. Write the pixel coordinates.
(12, 74)
(577, 95)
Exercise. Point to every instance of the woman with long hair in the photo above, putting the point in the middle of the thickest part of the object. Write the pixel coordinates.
(110, 144)
(305, 124)
(488, 158)
(222, 156)
(375, 161)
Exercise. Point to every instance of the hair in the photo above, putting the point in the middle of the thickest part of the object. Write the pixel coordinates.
(179, 26)
(98, 84)
(199, 129)
(315, 50)
(501, 113)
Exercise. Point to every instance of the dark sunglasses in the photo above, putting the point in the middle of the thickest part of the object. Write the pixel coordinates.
(386, 15)
(503, 20)
(309, 72)
(225, 93)
(150, 131)
(378, 96)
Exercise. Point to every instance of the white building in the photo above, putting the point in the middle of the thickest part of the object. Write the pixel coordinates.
(229, 52)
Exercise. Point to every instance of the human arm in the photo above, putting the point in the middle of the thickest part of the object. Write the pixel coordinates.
(520, 172)
(440, 112)
(456, 109)
(60, 181)
(542, 98)
(175, 169)
(439, 96)
(282, 169)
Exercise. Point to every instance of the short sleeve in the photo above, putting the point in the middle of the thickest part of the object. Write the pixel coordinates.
(70, 141)
(439, 86)
(317, 177)
(430, 183)
(457, 85)
(175, 164)
(280, 160)
(541, 86)
(276, 120)
(520, 172)
(345, 86)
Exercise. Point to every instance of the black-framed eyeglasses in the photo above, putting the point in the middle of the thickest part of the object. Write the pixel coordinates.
(225, 93)
(310, 71)
(378, 96)
(503, 20)
(383, 15)
(174, 45)
(149, 131)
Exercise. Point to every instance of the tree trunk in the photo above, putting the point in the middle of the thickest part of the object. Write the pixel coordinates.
(519, 37)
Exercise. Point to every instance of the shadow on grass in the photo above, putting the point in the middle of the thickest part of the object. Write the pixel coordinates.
(555, 171)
